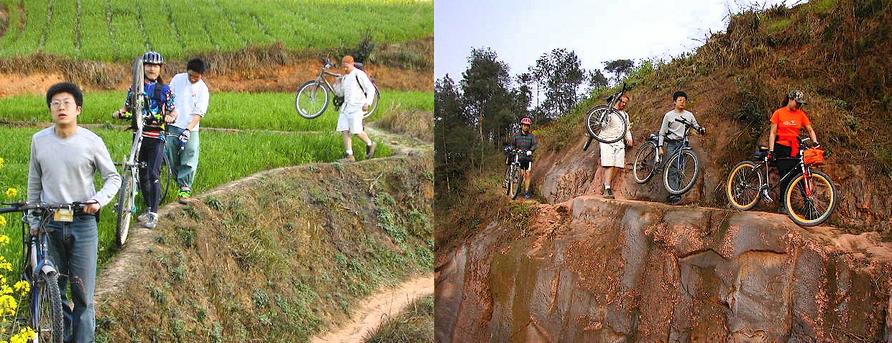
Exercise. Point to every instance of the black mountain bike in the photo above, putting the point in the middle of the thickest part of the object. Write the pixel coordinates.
(648, 162)
(40, 270)
(604, 123)
(810, 197)
(513, 182)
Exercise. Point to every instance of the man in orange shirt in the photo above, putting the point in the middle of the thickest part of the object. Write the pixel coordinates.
(783, 141)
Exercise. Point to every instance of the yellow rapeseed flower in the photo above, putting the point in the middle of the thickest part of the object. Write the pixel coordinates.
(6, 266)
(11, 192)
(2, 162)
(2, 221)
(4, 239)
(22, 287)
(8, 305)
(24, 336)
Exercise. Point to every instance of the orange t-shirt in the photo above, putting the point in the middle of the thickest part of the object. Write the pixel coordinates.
(789, 123)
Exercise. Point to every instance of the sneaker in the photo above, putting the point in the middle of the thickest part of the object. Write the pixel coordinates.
(370, 150)
(184, 195)
(348, 158)
(528, 195)
(673, 199)
(608, 193)
(142, 218)
(151, 221)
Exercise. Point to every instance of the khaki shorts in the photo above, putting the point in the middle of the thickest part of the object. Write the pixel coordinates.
(613, 154)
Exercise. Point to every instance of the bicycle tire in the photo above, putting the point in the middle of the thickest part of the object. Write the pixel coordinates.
(374, 106)
(305, 89)
(124, 207)
(49, 324)
(741, 175)
(793, 213)
(595, 124)
(695, 173)
(642, 159)
(512, 179)
(519, 186)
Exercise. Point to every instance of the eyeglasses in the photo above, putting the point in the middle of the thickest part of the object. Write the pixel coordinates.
(61, 104)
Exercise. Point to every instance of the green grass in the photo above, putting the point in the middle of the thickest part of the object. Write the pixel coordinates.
(88, 29)
(261, 111)
(225, 156)
(415, 324)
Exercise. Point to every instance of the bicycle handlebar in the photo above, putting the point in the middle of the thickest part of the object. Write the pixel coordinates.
(25, 206)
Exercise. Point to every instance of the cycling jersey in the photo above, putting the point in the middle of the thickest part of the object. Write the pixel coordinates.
(160, 102)
(525, 141)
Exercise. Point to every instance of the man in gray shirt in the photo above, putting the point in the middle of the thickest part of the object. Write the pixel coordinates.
(673, 133)
(64, 161)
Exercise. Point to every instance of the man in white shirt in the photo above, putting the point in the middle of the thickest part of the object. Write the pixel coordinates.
(613, 155)
(192, 97)
(359, 92)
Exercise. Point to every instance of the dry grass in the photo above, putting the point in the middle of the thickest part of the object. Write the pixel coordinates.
(414, 325)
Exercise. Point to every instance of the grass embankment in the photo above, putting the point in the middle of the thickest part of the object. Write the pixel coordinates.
(245, 111)
(414, 325)
(225, 156)
(290, 254)
(87, 29)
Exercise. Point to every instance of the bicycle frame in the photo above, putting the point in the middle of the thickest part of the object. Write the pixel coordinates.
(324, 71)
(801, 168)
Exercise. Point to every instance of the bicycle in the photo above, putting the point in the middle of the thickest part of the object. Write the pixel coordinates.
(126, 206)
(604, 123)
(648, 162)
(312, 97)
(513, 174)
(815, 200)
(39, 270)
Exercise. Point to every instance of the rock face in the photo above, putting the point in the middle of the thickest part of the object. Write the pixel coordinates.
(593, 270)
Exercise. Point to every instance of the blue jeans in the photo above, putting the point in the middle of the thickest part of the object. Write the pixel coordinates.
(73, 247)
(183, 159)
(671, 148)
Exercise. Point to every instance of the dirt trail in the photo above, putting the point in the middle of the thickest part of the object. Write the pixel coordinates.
(378, 308)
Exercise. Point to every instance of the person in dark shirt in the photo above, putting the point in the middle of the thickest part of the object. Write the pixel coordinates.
(527, 143)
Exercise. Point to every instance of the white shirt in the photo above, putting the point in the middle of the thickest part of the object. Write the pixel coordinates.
(614, 126)
(353, 94)
(190, 99)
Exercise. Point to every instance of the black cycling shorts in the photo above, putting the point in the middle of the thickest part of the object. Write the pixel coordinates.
(526, 164)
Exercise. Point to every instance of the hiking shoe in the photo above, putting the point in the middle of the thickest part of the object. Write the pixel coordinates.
(608, 193)
(184, 195)
(348, 158)
(370, 150)
(151, 220)
(673, 199)
(527, 195)
(142, 218)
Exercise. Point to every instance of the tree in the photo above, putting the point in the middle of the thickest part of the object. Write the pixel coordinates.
(454, 137)
(596, 80)
(486, 92)
(619, 68)
(561, 75)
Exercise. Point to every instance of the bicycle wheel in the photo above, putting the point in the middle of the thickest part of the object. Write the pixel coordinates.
(47, 306)
(688, 167)
(645, 163)
(125, 206)
(743, 186)
(311, 99)
(512, 179)
(519, 186)
(374, 105)
(810, 201)
(166, 178)
(605, 124)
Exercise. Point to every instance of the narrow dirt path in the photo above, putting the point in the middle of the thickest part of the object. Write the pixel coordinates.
(377, 309)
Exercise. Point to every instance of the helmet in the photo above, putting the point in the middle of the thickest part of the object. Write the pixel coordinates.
(798, 96)
(526, 121)
(152, 57)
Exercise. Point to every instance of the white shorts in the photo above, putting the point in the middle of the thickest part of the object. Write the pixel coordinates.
(350, 118)
(613, 154)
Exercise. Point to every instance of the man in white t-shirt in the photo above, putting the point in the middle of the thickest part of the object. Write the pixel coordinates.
(613, 155)
(192, 97)
(359, 92)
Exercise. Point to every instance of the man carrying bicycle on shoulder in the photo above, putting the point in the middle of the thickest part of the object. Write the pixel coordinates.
(673, 133)
(613, 155)
(64, 161)
(783, 140)
(526, 142)
(159, 111)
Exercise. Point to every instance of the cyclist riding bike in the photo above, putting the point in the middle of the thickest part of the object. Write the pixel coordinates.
(526, 142)
(783, 141)
(672, 131)
(158, 111)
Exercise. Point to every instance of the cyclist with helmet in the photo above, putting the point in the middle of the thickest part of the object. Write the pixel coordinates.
(783, 140)
(526, 142)
(613, 155)
(158, 111)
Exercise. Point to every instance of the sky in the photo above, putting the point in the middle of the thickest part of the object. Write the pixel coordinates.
(522, 30)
